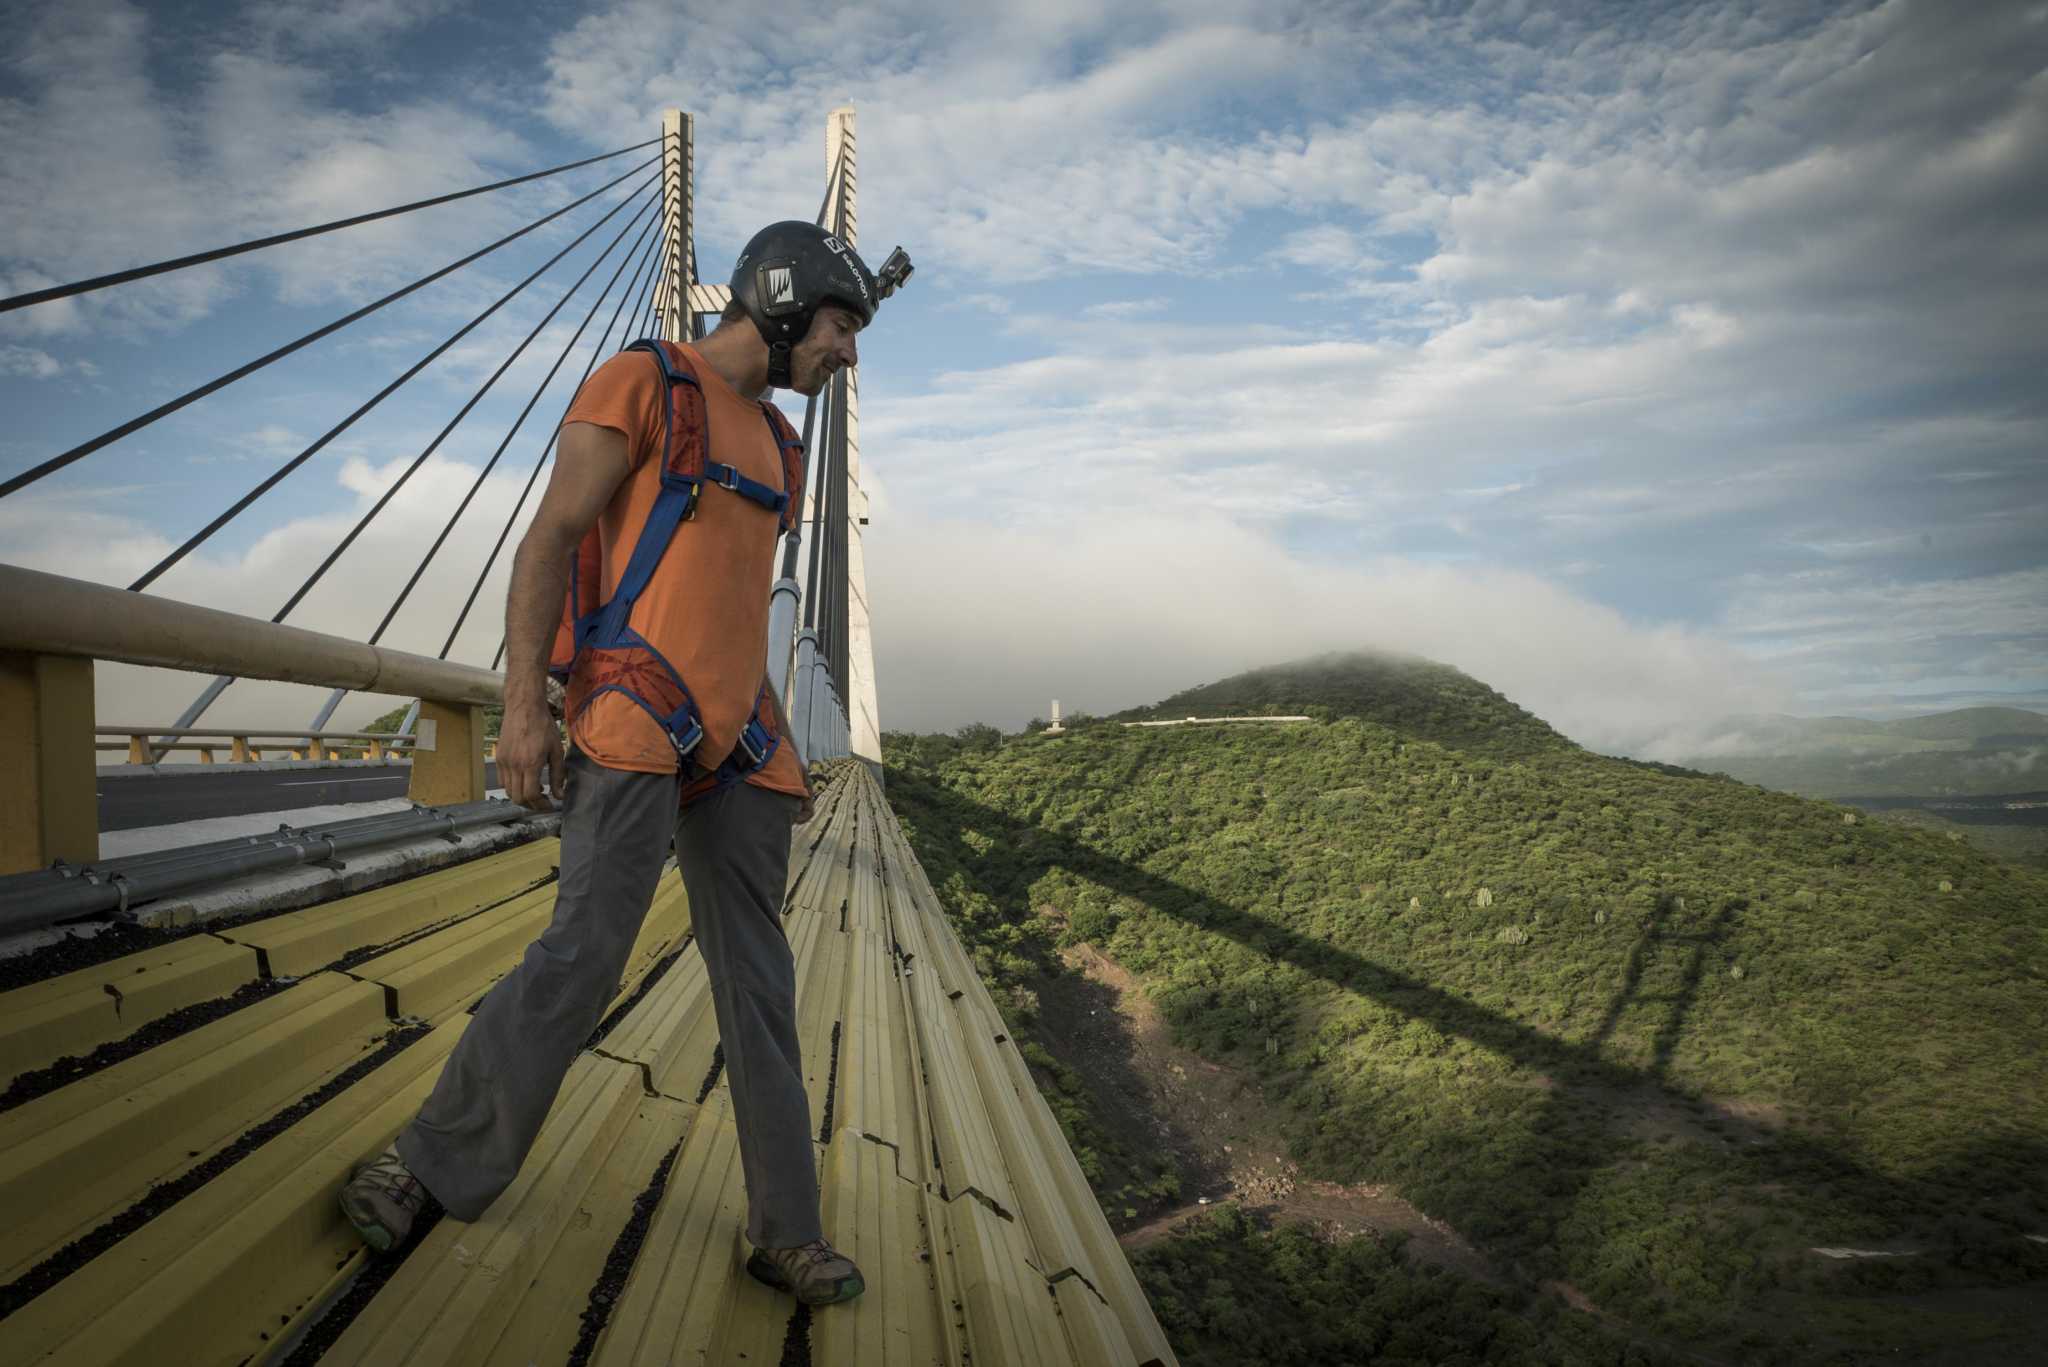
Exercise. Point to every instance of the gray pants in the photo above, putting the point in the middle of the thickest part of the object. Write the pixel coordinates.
(469, 1139)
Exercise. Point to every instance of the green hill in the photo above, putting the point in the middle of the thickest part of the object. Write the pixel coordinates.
(1417, 697)
(1649, 1034)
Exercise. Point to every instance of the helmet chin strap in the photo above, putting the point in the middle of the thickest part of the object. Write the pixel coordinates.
(778, 366)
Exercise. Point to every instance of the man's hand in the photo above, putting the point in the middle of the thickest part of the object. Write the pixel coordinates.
(590, 464)
(530, 750)
(809, 808)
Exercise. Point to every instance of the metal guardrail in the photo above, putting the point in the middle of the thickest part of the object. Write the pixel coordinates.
(36, 899)
(47, 614)
(246, 744)
(53, 628)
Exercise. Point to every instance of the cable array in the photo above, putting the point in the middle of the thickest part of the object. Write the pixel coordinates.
(645, 254)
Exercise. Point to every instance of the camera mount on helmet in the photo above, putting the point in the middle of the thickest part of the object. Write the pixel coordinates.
(790, 269)
(895, 273)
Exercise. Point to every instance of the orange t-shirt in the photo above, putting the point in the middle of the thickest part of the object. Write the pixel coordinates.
(709, 595)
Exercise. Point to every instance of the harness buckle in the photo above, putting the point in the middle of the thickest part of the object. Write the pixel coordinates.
(754, 740)
(690, 506)
(689, 740)
(727, 477)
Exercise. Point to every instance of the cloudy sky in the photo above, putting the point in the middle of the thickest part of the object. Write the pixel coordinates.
(1649, 362)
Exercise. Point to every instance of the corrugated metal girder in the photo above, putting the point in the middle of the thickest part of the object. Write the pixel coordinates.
(943, 1171)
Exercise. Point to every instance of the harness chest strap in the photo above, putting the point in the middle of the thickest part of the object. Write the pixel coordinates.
(591, 627)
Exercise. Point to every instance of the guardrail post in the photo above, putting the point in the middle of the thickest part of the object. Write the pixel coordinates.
(50, 810)
(239, 754)
(447, 754)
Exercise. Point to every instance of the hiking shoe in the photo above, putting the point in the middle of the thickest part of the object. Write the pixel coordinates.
(816, 1273)
(382, 1200)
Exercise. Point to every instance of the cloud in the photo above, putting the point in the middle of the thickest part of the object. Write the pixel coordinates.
(1726, 316)
(1326, 247)
(1127, 308)
(1106, 612)
(251, 140)
(976, 119)
(1839, 635)
(2009, 763)
(28, 361)
(325, 24)
(270, 442)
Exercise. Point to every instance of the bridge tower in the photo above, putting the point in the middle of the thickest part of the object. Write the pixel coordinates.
(863, 712)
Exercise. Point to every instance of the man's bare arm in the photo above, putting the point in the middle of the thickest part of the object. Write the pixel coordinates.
(590, 464)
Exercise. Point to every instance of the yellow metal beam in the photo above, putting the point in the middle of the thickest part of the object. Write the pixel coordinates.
(447, 755)
(77, 1012)
(305, 941)
(441, 973)
(49, 808)
(224, 1274)
(689, 1286)
(549, 1317)
(456, 1294)
(75, 1156)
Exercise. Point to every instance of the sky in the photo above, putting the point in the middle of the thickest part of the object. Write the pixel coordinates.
(1651, 363)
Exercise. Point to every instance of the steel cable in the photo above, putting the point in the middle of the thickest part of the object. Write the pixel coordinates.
(654, 296)
(505, 532)
(794, 541)
(86, 448)
(842, 495)
(295, 462)
(831, 180)
(822, 457)
(100, 282)
(820, 501)
(652, 226)
(836, 530)
(639, 249)
(474, 399)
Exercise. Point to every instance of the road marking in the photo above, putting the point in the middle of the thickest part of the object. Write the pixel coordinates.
(323, 782)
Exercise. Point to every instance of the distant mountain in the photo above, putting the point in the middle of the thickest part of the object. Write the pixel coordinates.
(1780, 734)
(1976, 724)
(1971, 751)
(1650, 1036)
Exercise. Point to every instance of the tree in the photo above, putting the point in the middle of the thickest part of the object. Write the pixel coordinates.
(979, 735)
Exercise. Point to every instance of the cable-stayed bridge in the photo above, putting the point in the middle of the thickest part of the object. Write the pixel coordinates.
(178, 1120)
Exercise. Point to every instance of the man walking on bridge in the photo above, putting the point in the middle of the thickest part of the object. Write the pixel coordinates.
(674, 734)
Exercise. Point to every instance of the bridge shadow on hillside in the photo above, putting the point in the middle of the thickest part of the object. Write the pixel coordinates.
(1574, 1103)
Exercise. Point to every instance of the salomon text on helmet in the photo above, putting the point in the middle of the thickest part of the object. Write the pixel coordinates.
(791, 268)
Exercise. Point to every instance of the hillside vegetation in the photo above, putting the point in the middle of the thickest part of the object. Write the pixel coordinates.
(1642, 1033)
(389, 722)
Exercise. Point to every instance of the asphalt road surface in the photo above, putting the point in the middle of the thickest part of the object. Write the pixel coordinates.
(131, 800)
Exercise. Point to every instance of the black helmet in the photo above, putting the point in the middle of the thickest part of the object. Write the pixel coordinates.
(787, 270)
